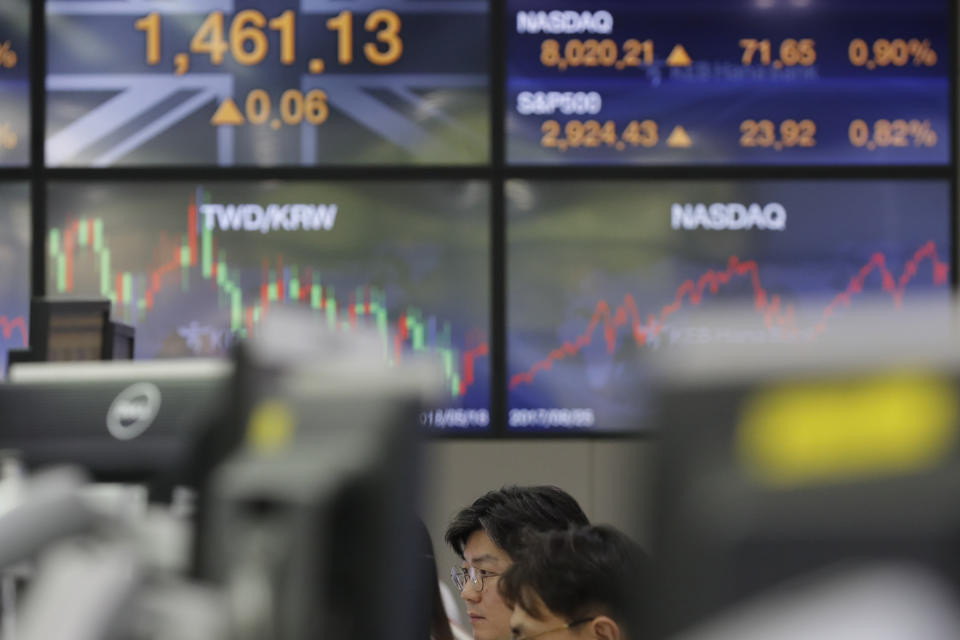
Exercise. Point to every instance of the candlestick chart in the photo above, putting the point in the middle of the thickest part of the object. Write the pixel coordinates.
(14, 269)
(637, 267)
(196, 267)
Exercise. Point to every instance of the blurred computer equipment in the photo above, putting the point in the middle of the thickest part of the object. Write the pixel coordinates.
(784, 460)
(886, 601)
(304, 464)
(121, 421)
(310, 526)
(74, 329)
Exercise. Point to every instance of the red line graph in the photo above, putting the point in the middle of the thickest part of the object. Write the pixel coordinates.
(774, 312)
(469, 357)
(7, 325)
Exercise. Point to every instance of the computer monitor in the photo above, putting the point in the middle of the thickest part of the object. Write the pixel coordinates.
(781, 462)
(65, 330)
(14, 245)
(605, 275)
(122, 421)
(74, 330)
(119, 342)
(408, 259)
(317, 501)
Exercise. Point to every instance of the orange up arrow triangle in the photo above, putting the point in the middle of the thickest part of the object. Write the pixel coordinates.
(679, 57)
(227, 113)
(679, 139)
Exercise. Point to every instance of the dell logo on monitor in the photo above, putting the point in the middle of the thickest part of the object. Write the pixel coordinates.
(133, 410)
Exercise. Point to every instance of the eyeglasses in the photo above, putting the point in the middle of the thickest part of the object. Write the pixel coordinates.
(569, 625)
(476, 576)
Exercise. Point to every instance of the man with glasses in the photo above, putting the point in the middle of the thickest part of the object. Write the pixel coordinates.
(488, 536)
(585, 583)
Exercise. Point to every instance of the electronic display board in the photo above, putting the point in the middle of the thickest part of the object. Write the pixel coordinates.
(737, 82)
(601, 273)
(14, 83)
(285, 82)
(14, 269)
(196, 266)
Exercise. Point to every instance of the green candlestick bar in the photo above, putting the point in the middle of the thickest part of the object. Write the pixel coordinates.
(321, 298)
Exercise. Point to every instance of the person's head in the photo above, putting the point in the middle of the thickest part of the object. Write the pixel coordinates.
(488, 534)
(581, 583)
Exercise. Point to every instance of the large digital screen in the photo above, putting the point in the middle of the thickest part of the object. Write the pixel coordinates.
(747, 82)
(602, 273)
(196, 266)
(14, 268)
(285, 82)
(14, 83)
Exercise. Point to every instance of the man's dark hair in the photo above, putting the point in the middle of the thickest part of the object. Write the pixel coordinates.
(578, 573)
(505, 513)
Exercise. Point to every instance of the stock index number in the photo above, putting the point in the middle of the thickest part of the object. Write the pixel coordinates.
(246, 37)
(766, 134)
